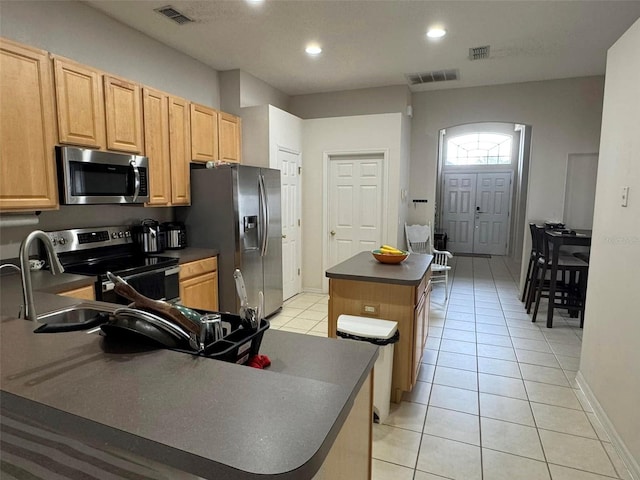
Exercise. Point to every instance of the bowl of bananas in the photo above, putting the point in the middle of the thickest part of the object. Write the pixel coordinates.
(388, 254)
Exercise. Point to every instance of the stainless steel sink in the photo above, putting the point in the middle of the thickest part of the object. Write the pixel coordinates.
(74, 318)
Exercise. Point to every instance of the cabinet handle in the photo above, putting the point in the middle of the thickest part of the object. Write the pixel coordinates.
(284, 236)
(333, 232)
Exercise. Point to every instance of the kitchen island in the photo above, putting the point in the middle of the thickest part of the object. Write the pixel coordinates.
(166, 414)
(401, 292)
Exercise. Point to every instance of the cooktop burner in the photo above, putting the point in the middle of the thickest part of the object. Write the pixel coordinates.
(123, 266)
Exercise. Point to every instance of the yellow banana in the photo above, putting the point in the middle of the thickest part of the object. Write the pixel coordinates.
(390, 250)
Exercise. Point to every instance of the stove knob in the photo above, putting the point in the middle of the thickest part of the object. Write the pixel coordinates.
(127, 234)
(121, 234)
(54, 241)
(62, 241)
(114, 235)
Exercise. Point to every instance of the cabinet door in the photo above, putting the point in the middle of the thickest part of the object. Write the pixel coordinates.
(80, 103)
(200, 292)
(180, 148)
(204, 133)
(230, 134)
(123, 107)
(156, 144)
(27, 129)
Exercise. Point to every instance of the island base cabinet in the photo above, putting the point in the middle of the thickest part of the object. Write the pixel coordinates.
(408, 305)
(351, 453)
(387, 302)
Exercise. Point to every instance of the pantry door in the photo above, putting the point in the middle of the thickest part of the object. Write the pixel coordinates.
(355, 200)
(289, 165)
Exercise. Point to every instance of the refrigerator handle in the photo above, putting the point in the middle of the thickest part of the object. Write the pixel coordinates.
(264, 216)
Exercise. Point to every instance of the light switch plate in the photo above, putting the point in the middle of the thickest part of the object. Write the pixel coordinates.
(625, 196)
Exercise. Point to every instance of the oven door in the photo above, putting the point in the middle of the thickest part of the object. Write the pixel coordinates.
(162, 284)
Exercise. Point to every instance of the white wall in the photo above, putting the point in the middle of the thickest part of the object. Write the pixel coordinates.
(564, 115)
(363, 101)
(367, 132)
(610, 359)
(264, 129)
(84, 34)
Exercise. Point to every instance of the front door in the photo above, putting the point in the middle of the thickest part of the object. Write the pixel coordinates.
(354, 207)
(289, 163)
(493, 197)
(476, 212)
(459, 210)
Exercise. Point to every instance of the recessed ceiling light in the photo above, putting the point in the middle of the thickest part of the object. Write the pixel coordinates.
(436, 33)
(313, 50)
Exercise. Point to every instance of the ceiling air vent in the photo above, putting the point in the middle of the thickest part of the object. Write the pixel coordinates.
(430, 77)
(173, 14)
(479, 53)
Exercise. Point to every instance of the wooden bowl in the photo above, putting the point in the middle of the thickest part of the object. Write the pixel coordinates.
(389, 258)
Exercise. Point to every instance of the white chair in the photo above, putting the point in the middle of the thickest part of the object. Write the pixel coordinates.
(419, 241)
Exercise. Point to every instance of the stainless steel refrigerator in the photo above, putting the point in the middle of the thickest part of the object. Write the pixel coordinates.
(236, 209)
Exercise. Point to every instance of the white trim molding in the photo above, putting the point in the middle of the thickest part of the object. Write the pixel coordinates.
(618, 444)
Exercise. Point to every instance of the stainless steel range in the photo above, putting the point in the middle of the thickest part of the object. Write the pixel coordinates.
(96, 251)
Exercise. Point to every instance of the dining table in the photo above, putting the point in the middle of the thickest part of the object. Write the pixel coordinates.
(559, 239)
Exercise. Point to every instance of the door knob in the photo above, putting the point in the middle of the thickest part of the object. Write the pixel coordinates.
(284, 236)
(333, 232)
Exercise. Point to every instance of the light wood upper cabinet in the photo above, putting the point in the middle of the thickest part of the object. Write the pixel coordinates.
(123, 107)
(230, 134)
(180, 148)
(80, 102)
(156, 144)
(27, 129)
(204, 133)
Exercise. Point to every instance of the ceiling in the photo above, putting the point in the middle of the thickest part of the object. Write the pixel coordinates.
(376, 42)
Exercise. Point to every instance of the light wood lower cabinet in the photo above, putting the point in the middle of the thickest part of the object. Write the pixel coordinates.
(406, 304)
(199, 284)
(86, 293)
(27, 129)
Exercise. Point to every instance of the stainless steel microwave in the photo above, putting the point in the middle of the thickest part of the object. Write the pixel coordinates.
(89, 177)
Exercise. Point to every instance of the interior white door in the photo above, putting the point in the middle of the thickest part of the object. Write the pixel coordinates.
(458, 211)
(493, 199)
(289, 163)
(354, 207)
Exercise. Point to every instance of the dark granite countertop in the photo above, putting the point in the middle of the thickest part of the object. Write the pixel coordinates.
(363, 267)
(205, 417)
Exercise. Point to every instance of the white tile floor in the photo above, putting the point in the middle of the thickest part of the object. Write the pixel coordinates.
(496, 397)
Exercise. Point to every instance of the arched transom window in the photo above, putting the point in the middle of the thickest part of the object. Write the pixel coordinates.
(479, 149)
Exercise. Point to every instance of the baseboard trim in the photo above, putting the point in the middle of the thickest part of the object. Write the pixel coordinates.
(618, 444)
(313, 290)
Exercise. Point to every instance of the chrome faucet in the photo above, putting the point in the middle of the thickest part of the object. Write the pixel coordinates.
(29, 311)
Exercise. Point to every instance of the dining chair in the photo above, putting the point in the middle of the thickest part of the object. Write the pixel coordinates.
(533, 258)
(419, 240)
(568, 293)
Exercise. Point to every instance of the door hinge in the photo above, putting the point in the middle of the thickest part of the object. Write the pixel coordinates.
(298, 272)
(298, 222)
(299, 170)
